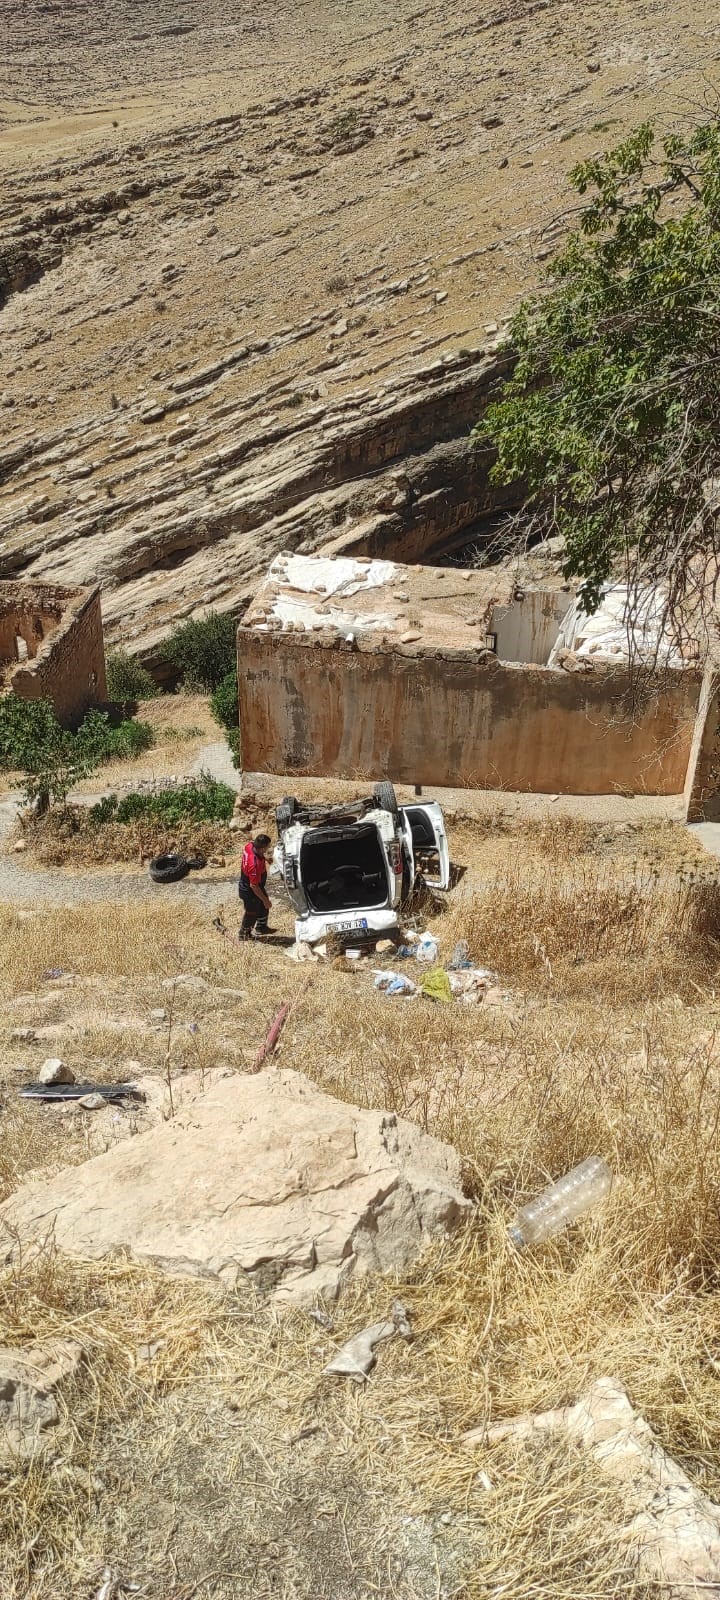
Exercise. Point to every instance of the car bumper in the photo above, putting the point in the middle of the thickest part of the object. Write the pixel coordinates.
(313, 929)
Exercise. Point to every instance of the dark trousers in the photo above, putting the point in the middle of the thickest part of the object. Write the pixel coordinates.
(256, 913)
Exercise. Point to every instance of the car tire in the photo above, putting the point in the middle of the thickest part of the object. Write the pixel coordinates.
(384, 796)
(285, 812)
(168, 869)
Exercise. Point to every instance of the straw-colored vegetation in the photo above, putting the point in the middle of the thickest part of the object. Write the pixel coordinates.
(226, 1465)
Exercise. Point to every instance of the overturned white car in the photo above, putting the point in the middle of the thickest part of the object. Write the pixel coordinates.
(348, 869)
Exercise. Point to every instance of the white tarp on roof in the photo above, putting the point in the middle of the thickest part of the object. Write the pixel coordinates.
(621, 616)
(326, 575)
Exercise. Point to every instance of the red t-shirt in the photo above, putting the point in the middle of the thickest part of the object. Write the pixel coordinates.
(253, 866)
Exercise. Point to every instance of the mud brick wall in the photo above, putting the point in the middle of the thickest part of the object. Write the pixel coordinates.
(454, 719)
(69, 666)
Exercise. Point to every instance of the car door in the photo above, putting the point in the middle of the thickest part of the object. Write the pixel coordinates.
(425, 822)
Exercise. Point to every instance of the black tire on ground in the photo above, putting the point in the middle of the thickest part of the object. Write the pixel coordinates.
(285, 812)
(168, 869)
(384, 795)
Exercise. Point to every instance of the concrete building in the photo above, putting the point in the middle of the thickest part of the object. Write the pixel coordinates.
(366, 668)
(51, 646)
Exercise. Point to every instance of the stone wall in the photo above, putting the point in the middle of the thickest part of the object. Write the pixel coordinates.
(61, 629)
(454, 719)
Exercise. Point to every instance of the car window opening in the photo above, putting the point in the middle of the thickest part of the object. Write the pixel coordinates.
(344, 871)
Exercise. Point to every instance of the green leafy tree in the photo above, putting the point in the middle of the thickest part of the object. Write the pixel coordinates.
(51, 759)
(611, 418)
(202, 651)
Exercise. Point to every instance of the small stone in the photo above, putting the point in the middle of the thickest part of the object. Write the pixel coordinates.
(407, 638)
(340, 329)
(441, 295)
(503, 162)
(593, 66)
(53, 1070)
(19, 846)
(23, 1036)
(92, 1102)
(492, 120)
(158, 1014)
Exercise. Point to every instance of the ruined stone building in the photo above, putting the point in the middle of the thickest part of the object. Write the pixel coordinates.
(361, 668)
(51, 646)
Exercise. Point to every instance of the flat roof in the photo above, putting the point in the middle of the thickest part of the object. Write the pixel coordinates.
(432, 606)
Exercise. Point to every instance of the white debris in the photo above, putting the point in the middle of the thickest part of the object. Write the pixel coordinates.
(622, 618)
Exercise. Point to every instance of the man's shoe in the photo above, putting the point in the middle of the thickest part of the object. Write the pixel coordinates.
(260, 932)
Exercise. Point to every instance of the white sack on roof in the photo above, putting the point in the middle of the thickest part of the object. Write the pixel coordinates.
(606, 634)
(326, 575)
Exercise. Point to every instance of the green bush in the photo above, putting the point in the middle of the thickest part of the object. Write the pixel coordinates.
(224, 702)
(204, 800)
(32, 742)
(102, 742)
(202, 652)
(127, 679)
(53, 759)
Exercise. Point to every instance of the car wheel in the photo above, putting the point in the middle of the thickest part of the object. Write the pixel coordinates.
(168, 869)
(384, 796)
(285, 812)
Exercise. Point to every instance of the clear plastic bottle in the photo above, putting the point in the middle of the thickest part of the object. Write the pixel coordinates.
(561, 1203)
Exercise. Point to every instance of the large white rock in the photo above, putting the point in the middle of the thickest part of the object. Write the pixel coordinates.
(262, 1176)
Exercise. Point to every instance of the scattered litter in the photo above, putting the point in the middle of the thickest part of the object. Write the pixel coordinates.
(402, 1321)
(472, 984)
(460, 957)
(276, 1028)
(436, 985)
(405, 952)
(53, 972)
(356, 1358)
(301, 951)
(561, 1203)
(394, 983)
(427, 949)
(322, 1319)
(80, 1091)
(113, 1587)
(146, 1353)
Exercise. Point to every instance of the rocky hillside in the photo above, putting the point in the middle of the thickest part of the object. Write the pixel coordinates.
(253, 264)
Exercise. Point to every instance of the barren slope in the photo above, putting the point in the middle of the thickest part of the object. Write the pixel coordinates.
(253, 260)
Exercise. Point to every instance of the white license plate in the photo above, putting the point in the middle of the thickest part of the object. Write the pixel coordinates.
(350, 927)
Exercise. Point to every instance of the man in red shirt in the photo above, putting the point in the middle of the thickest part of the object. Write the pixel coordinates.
(251, 888)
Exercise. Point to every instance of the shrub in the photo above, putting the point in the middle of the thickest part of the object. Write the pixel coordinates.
(205, 800)
(128, 680)
(202, 651)
(224, 702)
(101, 741)
(226, 711)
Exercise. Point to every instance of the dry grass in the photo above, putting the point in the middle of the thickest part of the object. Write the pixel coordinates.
(67, 838)
(182, 724)
(612, 1051)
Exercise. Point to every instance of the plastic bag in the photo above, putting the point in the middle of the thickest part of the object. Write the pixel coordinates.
(427, 950)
